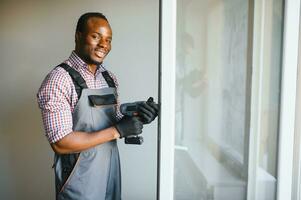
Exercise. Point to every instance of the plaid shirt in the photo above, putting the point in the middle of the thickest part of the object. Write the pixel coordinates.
(57, 96)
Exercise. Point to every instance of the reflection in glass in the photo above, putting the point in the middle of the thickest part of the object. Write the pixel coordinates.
(211, 147)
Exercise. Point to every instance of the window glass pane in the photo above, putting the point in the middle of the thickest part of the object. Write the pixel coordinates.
(213, 99)
(210, 103)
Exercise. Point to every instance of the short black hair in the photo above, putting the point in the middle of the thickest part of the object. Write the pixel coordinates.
(82, 21)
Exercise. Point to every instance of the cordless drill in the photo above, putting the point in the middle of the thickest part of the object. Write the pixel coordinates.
(131, 109)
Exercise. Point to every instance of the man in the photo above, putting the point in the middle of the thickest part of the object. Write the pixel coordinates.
(81, 117)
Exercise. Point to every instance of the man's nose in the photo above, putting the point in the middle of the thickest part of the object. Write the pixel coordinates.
(102, 43)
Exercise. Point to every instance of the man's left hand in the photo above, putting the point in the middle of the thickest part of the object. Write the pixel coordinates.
(148, 111)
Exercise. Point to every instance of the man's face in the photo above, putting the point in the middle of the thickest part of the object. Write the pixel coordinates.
(95, 42)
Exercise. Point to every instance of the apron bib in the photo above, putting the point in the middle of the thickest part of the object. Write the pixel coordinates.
(93, 174)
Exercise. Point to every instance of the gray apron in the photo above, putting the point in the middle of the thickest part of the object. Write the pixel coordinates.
(93, 174)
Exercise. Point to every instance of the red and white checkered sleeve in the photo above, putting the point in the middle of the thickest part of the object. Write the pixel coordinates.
(119, 115)
(54, 97)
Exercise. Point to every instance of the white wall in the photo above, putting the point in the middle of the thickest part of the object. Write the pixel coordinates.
(37, 35)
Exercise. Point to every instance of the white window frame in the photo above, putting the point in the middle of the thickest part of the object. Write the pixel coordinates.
(296, 190)
(296, 187)
(166, 126)
(288, 99)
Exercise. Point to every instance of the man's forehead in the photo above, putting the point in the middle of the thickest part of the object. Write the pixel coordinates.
(93, 21)
(97, 24)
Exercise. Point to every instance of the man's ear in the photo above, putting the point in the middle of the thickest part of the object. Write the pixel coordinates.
(78, 36)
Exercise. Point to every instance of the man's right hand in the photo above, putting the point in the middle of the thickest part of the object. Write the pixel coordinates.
(128, 126)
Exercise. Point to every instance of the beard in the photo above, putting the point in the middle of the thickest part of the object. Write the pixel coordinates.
(89, 60)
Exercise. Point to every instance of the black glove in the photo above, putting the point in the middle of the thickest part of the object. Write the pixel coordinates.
(128, 126)
(148, 111)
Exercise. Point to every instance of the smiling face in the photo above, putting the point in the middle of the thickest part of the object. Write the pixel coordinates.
(94, 43)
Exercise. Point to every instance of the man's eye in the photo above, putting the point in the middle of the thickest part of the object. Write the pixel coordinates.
(95, 36)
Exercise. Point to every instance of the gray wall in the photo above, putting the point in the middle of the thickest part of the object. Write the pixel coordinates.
(37, 35)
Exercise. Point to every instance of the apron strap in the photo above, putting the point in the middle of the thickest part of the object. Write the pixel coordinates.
(77, 79)
(108, 79)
